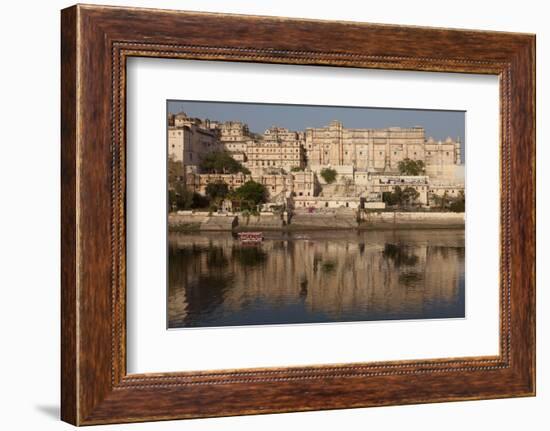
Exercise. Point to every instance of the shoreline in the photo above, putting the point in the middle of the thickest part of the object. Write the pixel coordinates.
(380, 227)
(384, 226)
(305, 222)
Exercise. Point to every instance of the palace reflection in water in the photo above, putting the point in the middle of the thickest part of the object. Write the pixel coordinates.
(307, 277)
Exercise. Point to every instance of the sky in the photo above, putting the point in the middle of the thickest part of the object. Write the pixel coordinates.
(438, 123)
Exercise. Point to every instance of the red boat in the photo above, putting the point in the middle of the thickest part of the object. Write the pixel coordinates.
(251, 237)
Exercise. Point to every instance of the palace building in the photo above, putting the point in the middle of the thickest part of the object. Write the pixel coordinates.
(376, 149)
(189, 139)
(279, 148)
(289, 163)
(278, 185)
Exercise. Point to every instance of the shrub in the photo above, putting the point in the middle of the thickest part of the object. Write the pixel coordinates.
(329, 175)
(411, 167)
(221, 162)
(401, 197)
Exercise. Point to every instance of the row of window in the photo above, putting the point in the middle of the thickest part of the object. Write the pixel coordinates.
(272, 150)
(266, 163)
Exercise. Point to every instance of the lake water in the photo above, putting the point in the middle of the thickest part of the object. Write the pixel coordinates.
(313, 277)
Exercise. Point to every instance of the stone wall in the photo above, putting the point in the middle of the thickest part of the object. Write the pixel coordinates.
(339, 219)
(409, 219)
(264, 221)
(334, 219)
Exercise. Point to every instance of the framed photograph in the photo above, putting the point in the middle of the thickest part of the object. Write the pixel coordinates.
(263, 214)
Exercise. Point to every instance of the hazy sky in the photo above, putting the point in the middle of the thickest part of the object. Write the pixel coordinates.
(438, 124)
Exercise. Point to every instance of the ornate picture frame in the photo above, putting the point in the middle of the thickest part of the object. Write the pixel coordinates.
(96, 41)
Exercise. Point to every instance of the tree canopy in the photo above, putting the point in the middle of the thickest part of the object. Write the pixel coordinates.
(409, 196)
(455, 204)
(217, 190)
(329, 175)
(221, 162)
(401, 197)
(250, 194)
(181, 199)
(411, 167)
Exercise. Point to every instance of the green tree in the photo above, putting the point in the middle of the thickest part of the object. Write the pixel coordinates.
(179, 198)
(221, 162)
(329, 175)
(409, 196)
(441, 202)
(199, 201)
(411, 167)
(393, 198)
(217, 190)
(296, 169)
(387, 198)
(175, 170)
(451, 203)
(250, 194)
(400, 197)
(458, 204)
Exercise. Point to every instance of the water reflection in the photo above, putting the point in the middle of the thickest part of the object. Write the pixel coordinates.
(315, 277)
